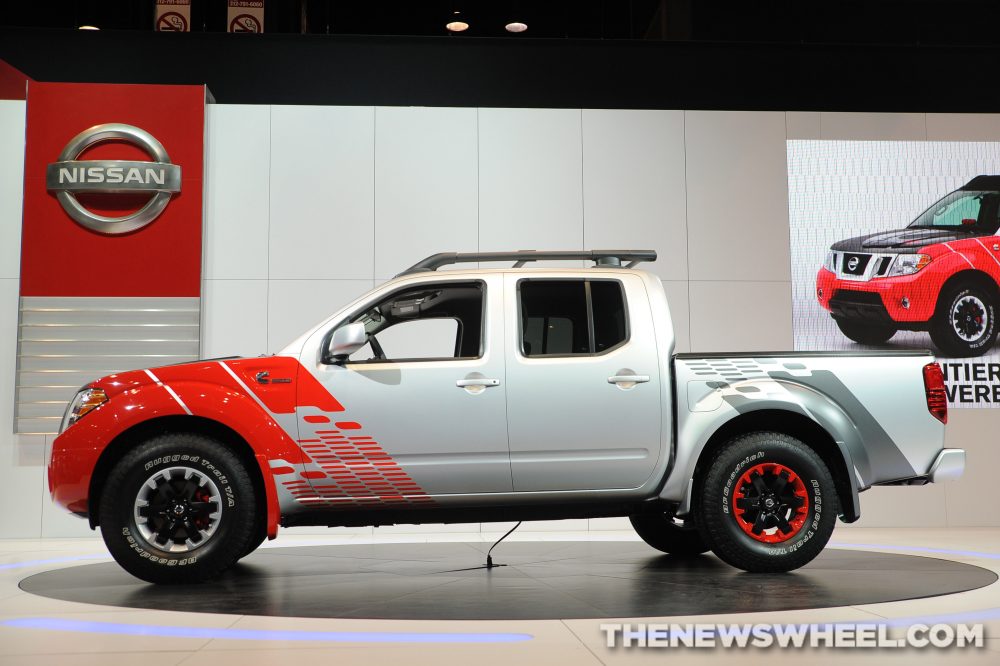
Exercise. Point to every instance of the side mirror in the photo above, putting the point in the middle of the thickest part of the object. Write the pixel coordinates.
(346, 340)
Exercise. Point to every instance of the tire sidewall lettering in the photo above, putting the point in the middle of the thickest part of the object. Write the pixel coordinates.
(156, 559)
(737, 471)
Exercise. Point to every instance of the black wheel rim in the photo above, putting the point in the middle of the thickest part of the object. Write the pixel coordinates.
(769, 502)
(969, 318)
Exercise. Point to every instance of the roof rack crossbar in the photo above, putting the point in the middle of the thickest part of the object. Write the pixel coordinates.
(521, 257)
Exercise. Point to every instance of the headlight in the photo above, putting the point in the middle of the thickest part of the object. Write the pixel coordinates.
(908, 264)
(831, 261)
(86, 401)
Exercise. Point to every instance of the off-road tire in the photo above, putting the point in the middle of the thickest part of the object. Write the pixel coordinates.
(254, 543)
(661, 532)
(726, 480)
(943, 331)
(187, 460)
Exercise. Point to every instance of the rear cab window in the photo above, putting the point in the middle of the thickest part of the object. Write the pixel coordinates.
(571, 317)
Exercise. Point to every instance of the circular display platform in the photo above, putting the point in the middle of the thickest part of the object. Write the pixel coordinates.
(542, 580)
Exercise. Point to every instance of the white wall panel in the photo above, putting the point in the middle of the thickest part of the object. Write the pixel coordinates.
(236, 210)
(680, 313)
(604, 524)
(8, 357)
(634, 193)
(426, 180)
(530, 179)
(234, 318)
(803, 125)
(741, 316)
(22, 490)
(874, 126)
(322, 206)
(11, 185)
(23, 477)
(295, 306)
(963, 127)
(737, 196)
(435, 528)
(567, 525)
(900, 506)
(967, 499)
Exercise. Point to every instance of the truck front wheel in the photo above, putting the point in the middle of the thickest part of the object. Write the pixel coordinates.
(660, 531)
(866, 334)
(767, 503)
(965, 322)
(179, 508)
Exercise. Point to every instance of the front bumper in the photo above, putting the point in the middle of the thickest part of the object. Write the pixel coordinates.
(880, 300)
(949, 465)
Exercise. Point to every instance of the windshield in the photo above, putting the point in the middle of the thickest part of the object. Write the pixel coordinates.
(972, 210)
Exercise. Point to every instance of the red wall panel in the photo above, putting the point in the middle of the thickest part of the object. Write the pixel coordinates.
(62, 258)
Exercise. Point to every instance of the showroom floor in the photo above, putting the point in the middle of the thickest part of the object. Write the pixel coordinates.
(42, 630)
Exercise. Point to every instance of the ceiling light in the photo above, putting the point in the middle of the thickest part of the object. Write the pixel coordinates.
(516, 26)
(89, 27)
(457, 24)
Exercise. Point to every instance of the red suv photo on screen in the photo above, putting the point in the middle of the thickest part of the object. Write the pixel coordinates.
(940, 274)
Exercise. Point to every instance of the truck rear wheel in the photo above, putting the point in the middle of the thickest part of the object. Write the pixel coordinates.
(179, 508)
(965, 322)
(866, 334)
(660, 531)
(767, 503)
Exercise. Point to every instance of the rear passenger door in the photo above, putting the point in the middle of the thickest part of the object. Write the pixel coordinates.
(583, 384)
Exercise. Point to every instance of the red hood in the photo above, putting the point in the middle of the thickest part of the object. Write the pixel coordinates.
(131, 379)
(279, 382)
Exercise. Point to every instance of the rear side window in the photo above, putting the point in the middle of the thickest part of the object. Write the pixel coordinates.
(571, 317)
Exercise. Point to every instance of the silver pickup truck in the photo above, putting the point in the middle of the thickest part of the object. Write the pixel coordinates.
(499, 394)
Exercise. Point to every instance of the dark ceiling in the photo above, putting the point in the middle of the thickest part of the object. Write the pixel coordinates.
(830, 55)
(924, 22)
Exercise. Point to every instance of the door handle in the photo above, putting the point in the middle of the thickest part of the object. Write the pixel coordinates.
(479, 381)
(628, 379)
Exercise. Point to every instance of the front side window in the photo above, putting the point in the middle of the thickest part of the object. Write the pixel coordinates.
(976, 209)
(435, 321)
(571, 317)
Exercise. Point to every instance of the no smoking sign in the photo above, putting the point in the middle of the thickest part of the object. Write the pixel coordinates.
(245, 23)
(171, 22)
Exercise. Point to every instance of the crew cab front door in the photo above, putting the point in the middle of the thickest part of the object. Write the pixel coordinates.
(583, 383)
(427, 393)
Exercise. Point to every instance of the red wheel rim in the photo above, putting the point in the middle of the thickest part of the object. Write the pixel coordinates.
(770, 503)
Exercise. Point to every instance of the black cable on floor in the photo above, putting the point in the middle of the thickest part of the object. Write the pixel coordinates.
(489, 559)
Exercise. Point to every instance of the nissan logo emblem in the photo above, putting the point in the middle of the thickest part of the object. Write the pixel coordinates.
(852, 263)
(70, 176)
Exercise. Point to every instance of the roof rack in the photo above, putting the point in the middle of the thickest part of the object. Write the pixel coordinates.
(610, 258)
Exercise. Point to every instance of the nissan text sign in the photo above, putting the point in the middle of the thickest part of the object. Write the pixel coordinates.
(69, 176)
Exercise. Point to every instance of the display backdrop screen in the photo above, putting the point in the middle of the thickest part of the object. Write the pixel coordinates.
(894, 245)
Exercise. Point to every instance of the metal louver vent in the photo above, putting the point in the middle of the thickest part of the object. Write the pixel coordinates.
(64, 343)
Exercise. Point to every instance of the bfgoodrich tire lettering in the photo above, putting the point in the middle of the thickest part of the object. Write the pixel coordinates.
(773, 467)
(179, 508)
